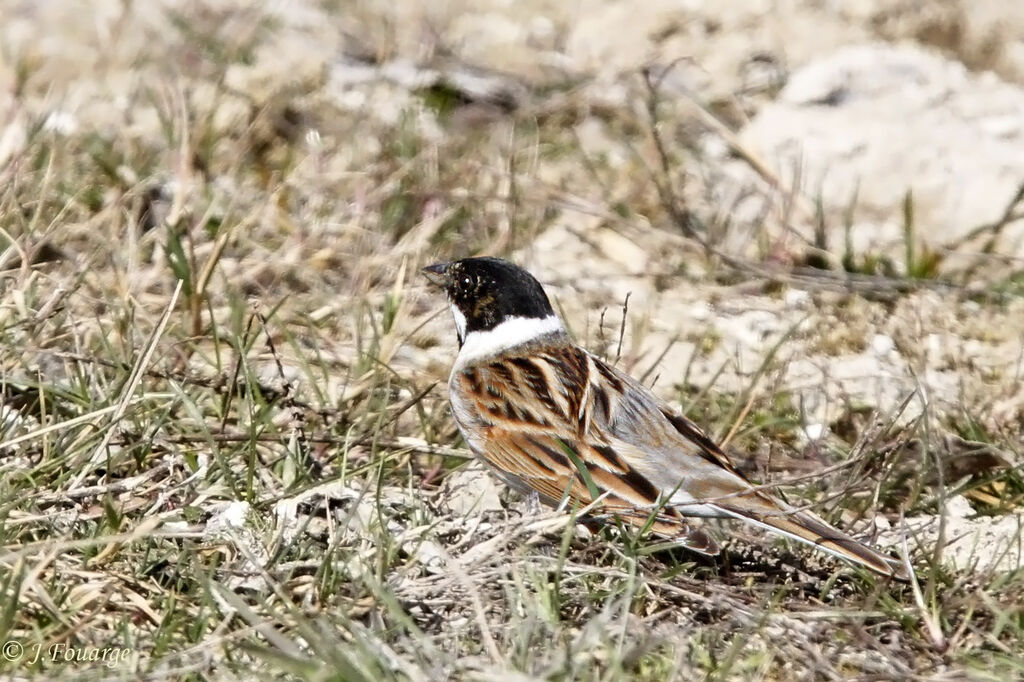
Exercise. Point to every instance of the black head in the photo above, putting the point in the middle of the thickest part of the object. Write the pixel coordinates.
(488, 291)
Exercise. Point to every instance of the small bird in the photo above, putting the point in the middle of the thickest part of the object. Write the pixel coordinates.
(553, 420)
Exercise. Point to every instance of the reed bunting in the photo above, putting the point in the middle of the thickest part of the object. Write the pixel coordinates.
(553, 420)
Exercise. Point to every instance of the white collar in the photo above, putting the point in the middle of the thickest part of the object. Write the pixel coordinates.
(512, 332)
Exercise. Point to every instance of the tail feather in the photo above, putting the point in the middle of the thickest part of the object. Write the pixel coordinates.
(808, 528)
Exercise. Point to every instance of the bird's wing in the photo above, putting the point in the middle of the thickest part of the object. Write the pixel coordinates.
(534, 427)
(672, 451)
(558, 467)
(564, 424)
(638, 417)
(543, 415)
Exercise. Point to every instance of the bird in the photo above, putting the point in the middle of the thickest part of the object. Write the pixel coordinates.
(555, 421)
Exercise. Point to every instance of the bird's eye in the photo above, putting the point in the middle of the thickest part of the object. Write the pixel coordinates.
(466, 281)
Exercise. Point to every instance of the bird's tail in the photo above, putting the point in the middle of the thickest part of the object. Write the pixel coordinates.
(808, 528)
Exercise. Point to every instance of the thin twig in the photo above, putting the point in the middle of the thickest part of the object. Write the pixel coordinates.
(622, 327)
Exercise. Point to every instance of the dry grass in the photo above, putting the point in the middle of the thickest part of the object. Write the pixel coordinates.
(227, 451)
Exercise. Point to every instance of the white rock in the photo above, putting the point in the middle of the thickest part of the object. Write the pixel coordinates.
(230, 515)
(796, 298)
(472, 490)
(882, 344)
(843, 120)
(972, 542)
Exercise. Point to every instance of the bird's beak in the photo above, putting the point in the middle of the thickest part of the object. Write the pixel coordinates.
(437, 274)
